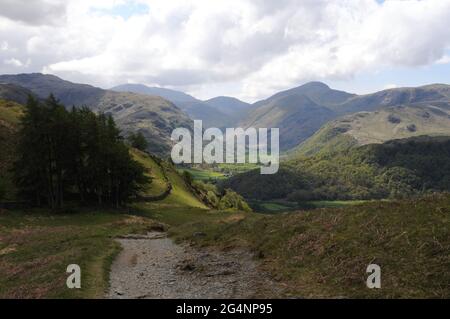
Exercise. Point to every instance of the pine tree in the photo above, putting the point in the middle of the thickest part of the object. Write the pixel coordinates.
(77, 152)
(138, 141)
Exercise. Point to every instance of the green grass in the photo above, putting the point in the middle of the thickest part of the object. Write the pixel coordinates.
(203, 175)
(153, 170)
(279, 206)
(314, 254)
(325, 252)
(36, 248)
(10, 112)
(238, 168)
(273, 206)
(336, 203)
(176, 216)
(181, 194)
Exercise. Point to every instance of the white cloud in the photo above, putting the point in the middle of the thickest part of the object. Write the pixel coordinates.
(390, 86)
(250, 48)
(4, 46)
(33, 12)
(444, 60)
(16, 63)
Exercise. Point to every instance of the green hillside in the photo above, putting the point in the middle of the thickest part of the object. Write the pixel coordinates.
(324, 253)
(153, 116)
(10, 113)
(303, 111)
(398, 168)
(163, 176)
(377, 127)
(297, 116)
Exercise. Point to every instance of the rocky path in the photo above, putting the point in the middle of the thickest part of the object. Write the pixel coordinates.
(152, 266)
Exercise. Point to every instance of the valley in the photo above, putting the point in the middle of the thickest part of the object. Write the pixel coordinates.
(364, 179)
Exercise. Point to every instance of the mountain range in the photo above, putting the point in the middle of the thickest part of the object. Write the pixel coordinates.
(312, 118)
(154, 116)
(301, 112)
(217, 112)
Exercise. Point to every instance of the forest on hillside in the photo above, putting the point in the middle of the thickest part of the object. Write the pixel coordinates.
(73, 155)
(395, 169)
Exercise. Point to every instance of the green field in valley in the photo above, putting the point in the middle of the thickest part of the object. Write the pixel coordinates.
(203, 175)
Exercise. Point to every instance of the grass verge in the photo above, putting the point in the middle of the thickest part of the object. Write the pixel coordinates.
(36, 248)
(324, 253)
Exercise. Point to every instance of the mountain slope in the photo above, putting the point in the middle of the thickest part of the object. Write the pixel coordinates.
(319, 92)
(376, 127)
(297, 117)
(164, 175)
(301, 125)
(219, 112)
(210, 116)
(298, 112)
(15, 93)
(397, 168)
(229, 105)
(438, 94)
(196, 109)
(170, 95)
(10, 113)
(152, 115)
(67, 92)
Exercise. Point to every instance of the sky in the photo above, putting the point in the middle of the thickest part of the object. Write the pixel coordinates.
(248, 49)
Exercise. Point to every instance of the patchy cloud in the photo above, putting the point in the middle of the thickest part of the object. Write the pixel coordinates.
(251, 48)
(33, 12)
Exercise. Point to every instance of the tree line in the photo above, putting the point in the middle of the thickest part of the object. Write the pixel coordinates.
(73, 155)
(395, 169)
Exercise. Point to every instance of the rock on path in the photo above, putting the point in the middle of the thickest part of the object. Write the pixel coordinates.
(153, 266)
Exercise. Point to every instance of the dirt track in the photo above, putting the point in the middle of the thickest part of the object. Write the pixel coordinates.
(153, 266)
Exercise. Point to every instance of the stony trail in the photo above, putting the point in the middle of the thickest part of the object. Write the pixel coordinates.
(153, 266)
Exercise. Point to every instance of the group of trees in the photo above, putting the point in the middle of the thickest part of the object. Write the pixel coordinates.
(138, 141)
(72, 155)
(223, 199)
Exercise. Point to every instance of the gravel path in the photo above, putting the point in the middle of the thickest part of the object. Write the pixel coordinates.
(153, 266)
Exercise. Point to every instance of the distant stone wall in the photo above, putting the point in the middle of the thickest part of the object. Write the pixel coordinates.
(156, 198)
(163, 195)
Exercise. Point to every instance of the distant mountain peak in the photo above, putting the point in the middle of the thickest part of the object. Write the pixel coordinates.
(225, 98)
(316, 85)
(168, 94)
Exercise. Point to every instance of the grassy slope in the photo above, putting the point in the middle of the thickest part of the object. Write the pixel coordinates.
(280, 206)
(181, 195)
(325, 252)
(320, 253)
(36, 248)
(151, 115)
(153, 170)
(375, 127)
(203, 175)
(10, 113)
(328, 139)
